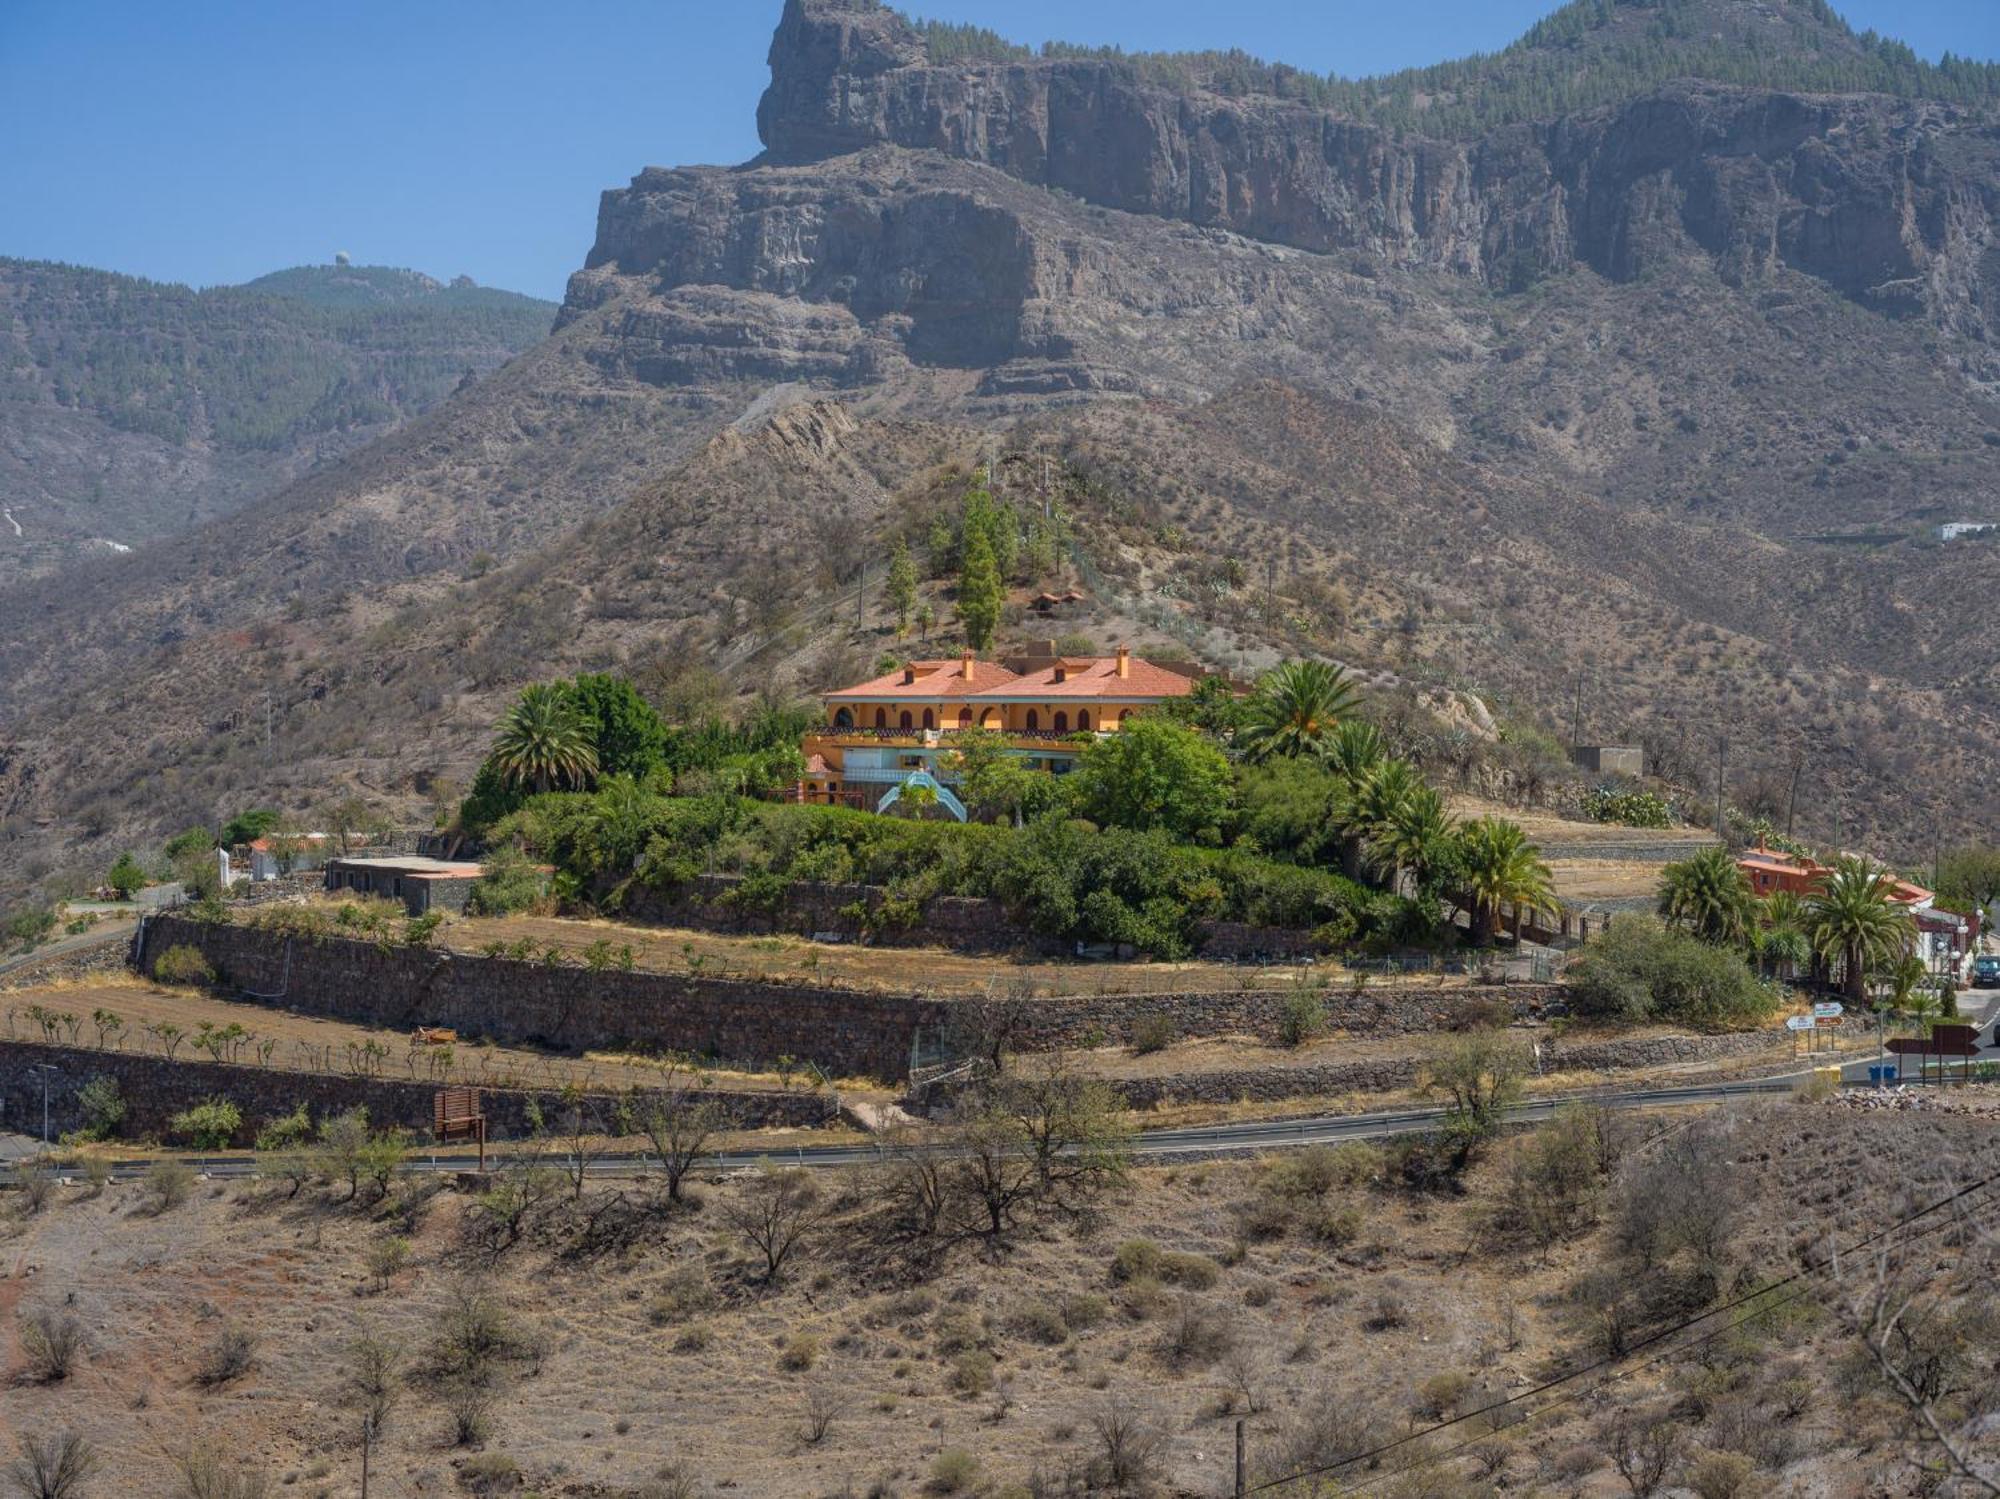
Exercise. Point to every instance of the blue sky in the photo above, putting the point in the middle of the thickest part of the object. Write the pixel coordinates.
(212, 140)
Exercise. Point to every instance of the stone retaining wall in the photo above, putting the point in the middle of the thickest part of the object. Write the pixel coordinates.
(107, 956)
(155, 1089)
(847, 1032)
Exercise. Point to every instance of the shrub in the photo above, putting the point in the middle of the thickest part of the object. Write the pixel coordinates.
(686, 1293)
(286, 1132)
(800, 1353)
(1197, 1334)
(1197, 1272)
(54, 1467)
(1632, 809)
(1302, 1019)
(386, 1257)
(229, 1356)
(1336, 1227)
(1440, 1395)
(1151, 1033)
(103, 1108)
(1136, 1259)
(1722, 1475)
(1084, 1310)
(1039, 1322)
(1642, 970)
(51, 1341)
(972, 1372)
(209, 1125)
(695, 1339)
(182, 964)
(1317, 1171)
(954, 1471)
(168, 1184)
(490, 1473)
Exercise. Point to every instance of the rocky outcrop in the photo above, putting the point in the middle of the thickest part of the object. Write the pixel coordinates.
(1892, 202)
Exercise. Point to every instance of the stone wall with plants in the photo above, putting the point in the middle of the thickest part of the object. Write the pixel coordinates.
(154, 1089)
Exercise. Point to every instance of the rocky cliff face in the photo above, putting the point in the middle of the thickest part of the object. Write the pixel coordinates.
(1892, 202)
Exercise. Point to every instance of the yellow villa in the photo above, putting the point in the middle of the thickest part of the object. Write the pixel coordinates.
(882, 736)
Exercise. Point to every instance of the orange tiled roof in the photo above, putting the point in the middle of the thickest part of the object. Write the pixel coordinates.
(1093, 676)
(934, 679)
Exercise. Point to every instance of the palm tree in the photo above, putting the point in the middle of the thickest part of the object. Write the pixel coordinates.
(1363, 806)
(1501, 867)
(1354, 751)
(1782, 947)
(544, 742)
(1295, 711)
(1710, 896)
(1852, 919)
(1413, 837)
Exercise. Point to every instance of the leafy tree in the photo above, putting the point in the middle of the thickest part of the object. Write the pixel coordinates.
(993, 782)
(248, 827)
(1413, 836)
(1482, 1074)
(1295, 711)
(1710, 896)
(1853, 921)
(1970, 876)
(1642, 970)
(127, 878)
(1500, 867)
(979, 591)
(1154, 773)
(626, 735)
(209, 1125)
(191, 841)
(902, 585)
(1212, 706)
(544, 742)
(349, 820)
(1288, 810)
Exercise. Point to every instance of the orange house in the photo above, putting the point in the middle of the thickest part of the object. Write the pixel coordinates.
(1770, 872)
(882, 735)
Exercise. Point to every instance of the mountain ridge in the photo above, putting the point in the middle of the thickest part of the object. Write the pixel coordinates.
(1749, 318)
(131, 409)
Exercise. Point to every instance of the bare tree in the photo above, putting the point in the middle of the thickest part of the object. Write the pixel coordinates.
(777, 1210)
(53, 1467)
(374, 1377)
(823, 1401)
(1128, 1448)
(1646, 1448)
(678, 1122)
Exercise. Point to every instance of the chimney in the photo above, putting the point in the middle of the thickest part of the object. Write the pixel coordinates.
(1062, 672)
(967, 663)
(1124, 662)
(909, 675)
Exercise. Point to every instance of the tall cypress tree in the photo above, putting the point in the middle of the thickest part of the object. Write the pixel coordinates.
(979, 590)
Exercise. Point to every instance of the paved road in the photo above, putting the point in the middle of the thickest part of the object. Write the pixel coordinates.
(117, 932)
(1152, 1145)
(1979, 1006)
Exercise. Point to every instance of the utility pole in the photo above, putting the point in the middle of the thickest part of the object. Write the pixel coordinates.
(45, 1068)
(367, 1442)
(1792, 800)
(1721, 774)
(1241, 1475)
(861, 595)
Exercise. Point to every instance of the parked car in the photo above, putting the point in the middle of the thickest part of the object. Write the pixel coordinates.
(1986, 973)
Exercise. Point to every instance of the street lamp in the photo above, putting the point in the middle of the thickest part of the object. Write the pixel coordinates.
(45, 1068)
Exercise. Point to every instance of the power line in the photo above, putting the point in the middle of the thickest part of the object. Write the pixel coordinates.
(1810, 1268)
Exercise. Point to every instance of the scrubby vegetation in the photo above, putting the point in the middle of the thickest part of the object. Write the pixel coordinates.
(1589, 53)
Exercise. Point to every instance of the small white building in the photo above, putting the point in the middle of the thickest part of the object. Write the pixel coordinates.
(1952, 530)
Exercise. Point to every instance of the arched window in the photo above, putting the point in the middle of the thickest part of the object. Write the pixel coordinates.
(881, 718)
(1034, 720)
(1083, 720)
(904, 722)
(1062, 722)
(991, 718)
(844, 719)
(965, 718)
(930, 719)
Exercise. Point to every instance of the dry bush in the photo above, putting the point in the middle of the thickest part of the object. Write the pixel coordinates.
(954, 1471)
(52, 1342)
(470, 1409)
(1128, 1449)
(1646, 1447)
(1723, 1475)
(778, 1211)
(1196, 1335)
(490, 1473)
(37, 1183)
(800, 1353)
(167, 1185)
(228, 1357)
(686, 1293)
(374, 1379)
(822, 1402)
(53, 1467)
(207, 1470)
